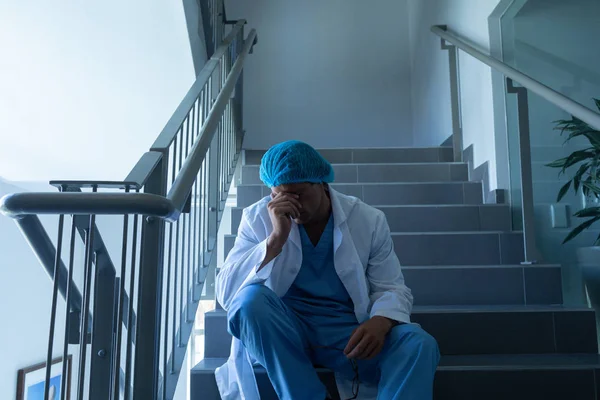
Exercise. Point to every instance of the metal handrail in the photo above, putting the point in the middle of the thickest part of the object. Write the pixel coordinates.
(558, 99)
(21, 204)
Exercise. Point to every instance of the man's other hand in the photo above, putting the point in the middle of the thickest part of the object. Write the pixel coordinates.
(368, 339)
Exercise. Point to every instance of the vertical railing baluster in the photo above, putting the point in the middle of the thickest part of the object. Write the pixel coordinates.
(63, 382)
(197, 230)
(210, 155)
(228, 158)
(120, 305)
(175, 283)
(89, 255)
(220, 169)
(222, 135)
(130, 321)
(232, 136)
(225, 162)
(195, 265)
(188, 233)
(57, 264)
(457, 132)
(206, 204)
(230, 154)
(177, 290)
(230, 60)
(213, 195)
(196, 272)
(177, 271)
(198, 118)
(205, 207)
(224, 167)
(150, 285)
(171, 229)
(530, 250)
(168, 305)
(201, 210)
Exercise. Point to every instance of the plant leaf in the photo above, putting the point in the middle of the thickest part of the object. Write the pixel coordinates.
(590, 134)
(597, 240)
(577, 178)
(588, 212)
(577, 156)
(594, 139)
(584, 188)
(558, 163)
(593, 188)
(580, 229)
(563, 190)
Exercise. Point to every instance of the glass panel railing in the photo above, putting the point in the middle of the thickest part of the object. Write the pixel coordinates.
(556, 43)
(553, 41)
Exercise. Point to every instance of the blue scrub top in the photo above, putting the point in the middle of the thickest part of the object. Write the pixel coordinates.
(317, 291)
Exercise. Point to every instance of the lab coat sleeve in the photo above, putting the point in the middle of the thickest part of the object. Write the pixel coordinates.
(389, 296)
(241, 265)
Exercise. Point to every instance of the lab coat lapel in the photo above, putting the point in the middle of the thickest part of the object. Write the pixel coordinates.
(346, 260)
(295, 235)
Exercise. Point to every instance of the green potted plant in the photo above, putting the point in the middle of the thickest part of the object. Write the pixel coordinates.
(586, 179)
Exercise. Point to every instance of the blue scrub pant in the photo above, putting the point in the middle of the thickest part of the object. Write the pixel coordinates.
(285, 345)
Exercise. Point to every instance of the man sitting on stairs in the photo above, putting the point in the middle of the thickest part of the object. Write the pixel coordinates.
(313, 280)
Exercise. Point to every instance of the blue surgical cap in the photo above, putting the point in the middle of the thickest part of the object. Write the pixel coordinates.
(294, 162)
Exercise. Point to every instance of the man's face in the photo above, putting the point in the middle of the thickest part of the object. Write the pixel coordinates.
(310, 195)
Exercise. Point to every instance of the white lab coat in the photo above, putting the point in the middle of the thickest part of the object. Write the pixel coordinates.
(364, 259)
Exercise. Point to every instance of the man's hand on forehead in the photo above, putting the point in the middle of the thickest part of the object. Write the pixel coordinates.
(284, 194)
(285, 204)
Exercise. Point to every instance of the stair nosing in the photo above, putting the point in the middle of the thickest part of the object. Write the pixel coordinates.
(383, 163)
(513, 362)
(488, 205)
(490, 266)
(382, 183)
(371, 148)
(439, 233)
(482, 232)
(451, 309)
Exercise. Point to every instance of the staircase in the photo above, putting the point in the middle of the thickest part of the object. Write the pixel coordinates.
(500, 325)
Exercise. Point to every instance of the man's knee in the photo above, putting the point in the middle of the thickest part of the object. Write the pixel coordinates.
(252, 304)
(414, 337)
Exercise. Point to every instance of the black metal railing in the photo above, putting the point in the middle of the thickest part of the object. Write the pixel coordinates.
(138, 251)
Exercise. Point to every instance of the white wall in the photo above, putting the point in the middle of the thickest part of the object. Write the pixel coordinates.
(86, 87)
(334, 73)
(432, 123)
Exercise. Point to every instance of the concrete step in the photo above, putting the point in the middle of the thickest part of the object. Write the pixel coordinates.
(474, 330)
(436, 218)
(204, 387)
(383, 194)
(459, 248)
(378, 173)
(485, 285)
(449, 248)
(489, 377)
(518, 377)
(480, 285)
(370, 156)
